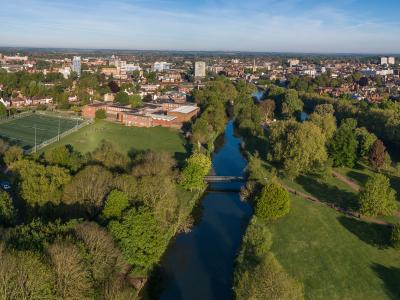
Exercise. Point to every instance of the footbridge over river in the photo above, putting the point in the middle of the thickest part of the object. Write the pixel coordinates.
(212, 179)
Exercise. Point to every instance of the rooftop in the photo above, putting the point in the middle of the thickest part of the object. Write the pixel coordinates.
(186, 109)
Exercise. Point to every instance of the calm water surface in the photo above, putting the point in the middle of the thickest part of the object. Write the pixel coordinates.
(199, 265)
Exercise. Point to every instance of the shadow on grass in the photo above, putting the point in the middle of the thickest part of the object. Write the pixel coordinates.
(391, 278)
(359, 177)
(328, 193)
(376, 235)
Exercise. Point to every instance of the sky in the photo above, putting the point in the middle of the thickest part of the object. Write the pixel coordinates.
(312, 26)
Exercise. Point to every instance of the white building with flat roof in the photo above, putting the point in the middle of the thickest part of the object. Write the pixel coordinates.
(200, 69)
(391, 60)
(384, 60)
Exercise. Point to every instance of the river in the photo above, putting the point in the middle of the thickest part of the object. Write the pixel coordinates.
(199, 264)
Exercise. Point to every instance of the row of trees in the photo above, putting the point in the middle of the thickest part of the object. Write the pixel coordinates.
(258, 274)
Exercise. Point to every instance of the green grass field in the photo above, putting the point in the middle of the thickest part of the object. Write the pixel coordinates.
(334, 256)
(22, 131)
(125, 138)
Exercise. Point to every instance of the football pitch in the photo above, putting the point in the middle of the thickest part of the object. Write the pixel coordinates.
(21, 131)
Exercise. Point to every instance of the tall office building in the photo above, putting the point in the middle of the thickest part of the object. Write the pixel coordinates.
(199, 69)
(384, 60)
(391, 60)
(76, 65)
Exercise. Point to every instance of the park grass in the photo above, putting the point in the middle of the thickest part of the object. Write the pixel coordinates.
(336, 257)
(125, 138)
(21, 131)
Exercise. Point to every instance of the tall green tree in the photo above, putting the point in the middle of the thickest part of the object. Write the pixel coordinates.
(140, 239)
(197, 166)
(377, 197)
(343, 147)
(297, 147)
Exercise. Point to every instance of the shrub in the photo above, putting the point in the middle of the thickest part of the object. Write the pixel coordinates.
(273, 202)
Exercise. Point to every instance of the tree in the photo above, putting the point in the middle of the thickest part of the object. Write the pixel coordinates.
(7, 211)
(100, 114)
(268, 280)
(377, 197)
(13, 154)
(254, 169)
(291, 103)
(395, 237)
(324, 109)
(116, 203)
(106, 261)
(135, 100)
(40, 184)
(73, 280)
(297, 147)
(327, 123)
(197, 166)
(202, 132)
(159, 194)
(64, 156)
(343, 147)
(23, 275)
(267, 109)
(140, 239)
(273, 202)
(365, 141)
(89, 187)
(122, 98)
(151, 163)
(109, 156)
(376, 155)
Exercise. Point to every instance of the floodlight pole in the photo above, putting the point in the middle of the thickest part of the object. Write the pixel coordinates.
(59, 121)
(35, 138)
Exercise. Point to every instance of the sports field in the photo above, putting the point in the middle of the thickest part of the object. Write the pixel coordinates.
(22, 131)
(125, 138)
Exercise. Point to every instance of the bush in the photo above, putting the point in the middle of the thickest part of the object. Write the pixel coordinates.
(273, 202)
(396, 236)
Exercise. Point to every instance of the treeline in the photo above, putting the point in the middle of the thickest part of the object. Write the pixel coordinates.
(214, 101)
(258, 274)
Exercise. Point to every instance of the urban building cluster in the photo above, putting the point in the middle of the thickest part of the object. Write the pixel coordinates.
(165, 82)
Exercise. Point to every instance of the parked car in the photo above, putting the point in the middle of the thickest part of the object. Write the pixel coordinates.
(5, 185)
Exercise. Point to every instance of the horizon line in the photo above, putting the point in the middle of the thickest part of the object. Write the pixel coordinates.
(203, 51)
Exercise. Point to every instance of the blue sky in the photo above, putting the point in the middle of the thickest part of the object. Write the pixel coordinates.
(362, 26)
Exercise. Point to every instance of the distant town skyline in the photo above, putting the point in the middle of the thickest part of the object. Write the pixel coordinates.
(262, 26)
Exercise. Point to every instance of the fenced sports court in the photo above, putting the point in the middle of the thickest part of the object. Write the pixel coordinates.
(33, 131)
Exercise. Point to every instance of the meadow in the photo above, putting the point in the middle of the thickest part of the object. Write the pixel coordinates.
(125, 138)
(336, 257)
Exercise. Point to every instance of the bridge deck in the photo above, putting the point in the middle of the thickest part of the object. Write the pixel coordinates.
(224, 178)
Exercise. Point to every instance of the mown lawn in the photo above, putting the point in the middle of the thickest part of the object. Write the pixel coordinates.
(334, 256)
(125, 138)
